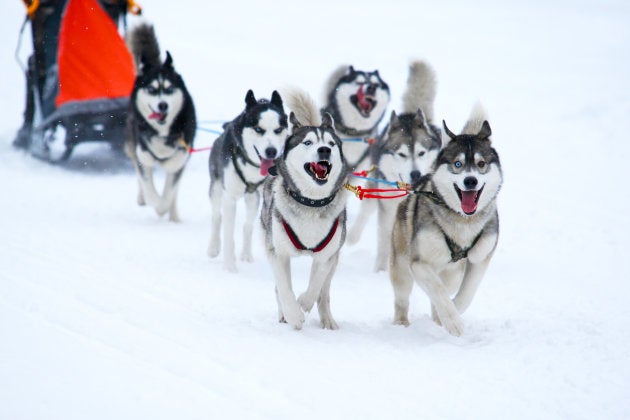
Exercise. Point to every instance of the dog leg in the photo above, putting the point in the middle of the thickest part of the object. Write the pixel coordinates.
(170, 193)
(252, 202)
(320, 270)
(280, 314)
(148, 187)
(291, 311)
(402, 282)
(472, 278)
(365, 211)
(173, 214)
(323, 301)
(385, 225)
(216, 193)
(431, 283)
(229, 211)
(140, 199)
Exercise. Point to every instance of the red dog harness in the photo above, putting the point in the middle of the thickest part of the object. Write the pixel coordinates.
(300, 246)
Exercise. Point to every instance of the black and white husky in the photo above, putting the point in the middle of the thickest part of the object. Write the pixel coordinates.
(161, 123)
(405, 153)
(357, 101)
(304, 211)
(445, 236)
(239, 163)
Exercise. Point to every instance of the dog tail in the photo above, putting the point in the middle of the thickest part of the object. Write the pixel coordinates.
(303, 106)
(332, 81)
(477, 116)
(421, 88)
(143, 45)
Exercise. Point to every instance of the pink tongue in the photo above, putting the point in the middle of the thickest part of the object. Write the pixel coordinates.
(156, 116)
(363, 103)
(320, 170)
(468, 201)
(265, 164)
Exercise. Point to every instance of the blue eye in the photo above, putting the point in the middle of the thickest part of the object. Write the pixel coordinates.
(457, 164)
(308, 143)
(259, 130)
(152, 90)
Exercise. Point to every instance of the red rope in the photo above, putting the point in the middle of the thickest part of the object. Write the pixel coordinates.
(201, 149)
(362, 193)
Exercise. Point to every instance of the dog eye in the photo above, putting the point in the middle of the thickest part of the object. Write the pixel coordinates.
(307, 143)
(278, 130)
(457, 164)
(421, 153)
(168, 90)
(259, 130)
(331, 143)
(151, 90)
(481, 164)
(402, 155)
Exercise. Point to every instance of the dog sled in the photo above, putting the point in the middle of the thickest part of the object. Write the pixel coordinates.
(78, 78)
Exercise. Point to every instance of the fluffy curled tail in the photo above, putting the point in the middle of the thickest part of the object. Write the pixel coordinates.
(421, 88)
(144, 47)
(475, 121)
(303, 106)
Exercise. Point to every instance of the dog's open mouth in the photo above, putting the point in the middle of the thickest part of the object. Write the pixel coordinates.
(364, 102)
(159, 116)
(319, 171)
(468, 199)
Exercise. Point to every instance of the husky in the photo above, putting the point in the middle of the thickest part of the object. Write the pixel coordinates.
(239, 163)
(445, 235)
(161, 122)
(304, 211)
(404, 153)
(357, 101)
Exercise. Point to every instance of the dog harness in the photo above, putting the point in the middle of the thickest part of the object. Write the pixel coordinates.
(457, 252)
(250, 187)
(300, 246)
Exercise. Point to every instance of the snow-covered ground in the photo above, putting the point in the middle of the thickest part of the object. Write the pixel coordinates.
(107, 311)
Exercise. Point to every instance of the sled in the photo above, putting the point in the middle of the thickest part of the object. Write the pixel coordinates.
(79, 77)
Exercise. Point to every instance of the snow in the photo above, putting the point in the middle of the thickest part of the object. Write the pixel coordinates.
(107, 311)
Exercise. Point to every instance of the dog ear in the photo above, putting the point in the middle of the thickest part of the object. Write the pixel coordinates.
(422, 118)
(168, 62)
(250, 99)
(294, 122)
(485, 131)
(351, 69)
(276, 100)
(393, 119)
(450, 134)
(328, 122)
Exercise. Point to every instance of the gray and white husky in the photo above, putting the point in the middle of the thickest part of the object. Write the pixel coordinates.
(357, 101)
(445, 235)
(405, 153)
(304, 211)
(161, 122)
(239, 163)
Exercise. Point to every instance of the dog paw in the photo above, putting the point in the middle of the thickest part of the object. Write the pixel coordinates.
(305, 303)
(213, 250)
(453, 324)
(247, 257)
(294, 317)
(230, 266)
(401, 321)
(328, 323)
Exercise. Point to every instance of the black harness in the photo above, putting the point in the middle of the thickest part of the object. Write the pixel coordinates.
(236, 153)
(457, 252)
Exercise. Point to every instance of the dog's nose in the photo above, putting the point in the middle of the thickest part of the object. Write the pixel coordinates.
(470, 182)
(324, 152)
(415, 176)
(162, 106)
(271, 152)
(371, 89)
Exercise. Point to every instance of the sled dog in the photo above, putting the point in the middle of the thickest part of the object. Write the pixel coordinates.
(239, 163)
(445, 235)
(161, 123)
(304, 211)
(404, 153)
(357, 101)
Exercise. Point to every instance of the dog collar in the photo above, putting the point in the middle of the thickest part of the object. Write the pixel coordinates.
(311, 202)
(300, 246)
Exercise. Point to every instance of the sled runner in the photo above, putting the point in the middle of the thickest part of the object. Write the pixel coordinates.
(79, 77)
